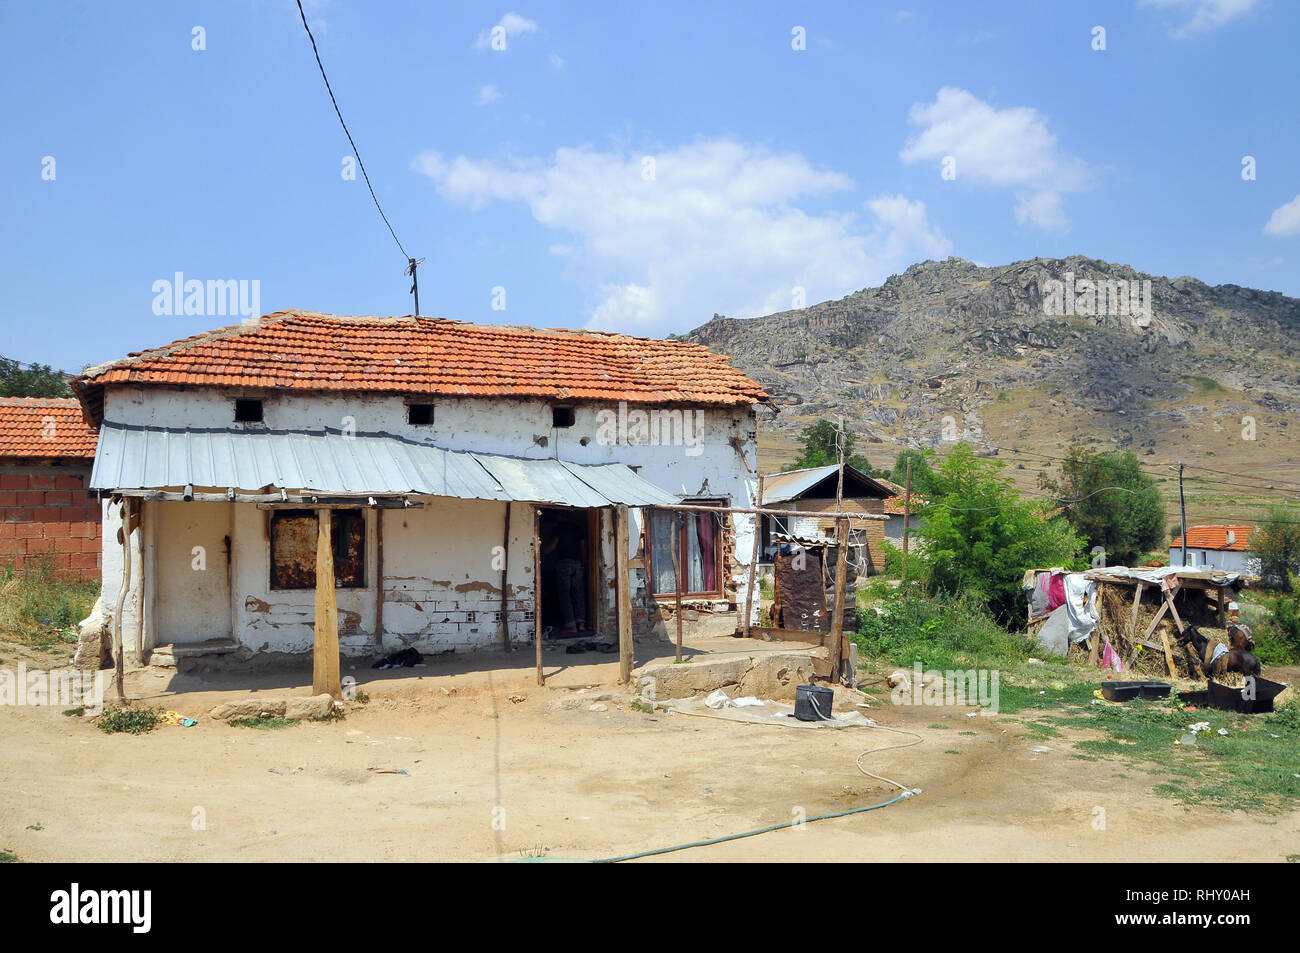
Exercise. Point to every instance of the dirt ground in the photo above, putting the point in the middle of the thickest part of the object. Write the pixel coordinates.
(443, 764)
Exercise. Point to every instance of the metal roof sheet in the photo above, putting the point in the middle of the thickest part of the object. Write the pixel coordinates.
(330, 462)
(792, 484)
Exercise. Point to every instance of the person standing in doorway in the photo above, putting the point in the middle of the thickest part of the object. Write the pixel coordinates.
(570, 547)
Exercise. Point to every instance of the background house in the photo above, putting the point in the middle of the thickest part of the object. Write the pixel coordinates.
(813, 491)
(894, 510)
(46, 452)
(1215, 547)
(433, 444)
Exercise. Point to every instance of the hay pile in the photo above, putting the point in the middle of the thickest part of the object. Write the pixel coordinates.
(1115, 609)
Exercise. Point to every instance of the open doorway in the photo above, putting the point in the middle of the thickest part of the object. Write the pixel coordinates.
(570, 555)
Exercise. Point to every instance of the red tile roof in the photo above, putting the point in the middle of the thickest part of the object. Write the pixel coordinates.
(301, 350)
(44, 427)
(1216, 537)
(894, 504)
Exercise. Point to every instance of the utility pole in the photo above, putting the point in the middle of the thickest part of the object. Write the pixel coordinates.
(907, 516)
(411, 265)
(1182, 507)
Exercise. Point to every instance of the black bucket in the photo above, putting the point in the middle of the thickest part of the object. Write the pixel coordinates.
(812, 703)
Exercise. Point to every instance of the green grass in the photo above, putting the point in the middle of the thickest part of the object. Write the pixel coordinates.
(1247, 769)
(8, 858)
(269, 723)
(40, 609)
(940, 633)
(133, 721)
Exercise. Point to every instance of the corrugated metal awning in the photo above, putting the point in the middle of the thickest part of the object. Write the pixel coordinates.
(792, 484)
(332, 463)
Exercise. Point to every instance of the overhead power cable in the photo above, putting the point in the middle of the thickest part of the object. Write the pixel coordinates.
(411, 263)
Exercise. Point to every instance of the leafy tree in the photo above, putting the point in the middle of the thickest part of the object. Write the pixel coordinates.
(1110, 502)
(1276, 542)
(922, 470)
(980, 536)
(36, 380)
(817, 448)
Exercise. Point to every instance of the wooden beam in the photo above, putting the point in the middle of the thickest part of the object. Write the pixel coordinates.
(675, 551)
(537, 591)
(379, 580)
(753, 561)
(841, 580)
(118, 648)
(623, 583)
(325, 653)
(1169, 654)
(1156, 621)
(505, 578)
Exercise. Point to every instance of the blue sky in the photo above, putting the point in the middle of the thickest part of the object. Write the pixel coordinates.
(635, 167)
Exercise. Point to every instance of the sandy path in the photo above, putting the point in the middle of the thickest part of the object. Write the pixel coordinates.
(578, 783)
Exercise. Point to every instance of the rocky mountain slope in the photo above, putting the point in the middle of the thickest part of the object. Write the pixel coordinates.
(1005, 359)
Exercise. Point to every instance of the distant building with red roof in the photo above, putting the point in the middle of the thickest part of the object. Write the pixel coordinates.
(46, 513)
(1215, 546)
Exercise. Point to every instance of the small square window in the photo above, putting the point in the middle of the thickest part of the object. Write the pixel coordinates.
(419, 415)
(561, 416)
(248, 411)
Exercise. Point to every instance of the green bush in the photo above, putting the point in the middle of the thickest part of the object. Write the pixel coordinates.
(134, 721)
(1277, 637)
(918, 570)
(943, 632)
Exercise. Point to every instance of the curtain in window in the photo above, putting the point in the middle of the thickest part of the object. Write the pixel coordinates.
(699, 553)
(661, 553)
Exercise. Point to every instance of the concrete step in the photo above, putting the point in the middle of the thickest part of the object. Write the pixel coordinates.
(165, 656)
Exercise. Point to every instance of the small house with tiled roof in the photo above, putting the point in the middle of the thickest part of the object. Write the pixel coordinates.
(899, 512)
(1217, 546)
(46, 513)
(435, 469)
(813, 491)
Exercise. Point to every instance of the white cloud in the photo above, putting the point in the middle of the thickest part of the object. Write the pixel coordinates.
(510, 26)
(718, 228)
(1202, 16)
(1000, 148)
(557, 61)
(488, 94)
(1285, 220)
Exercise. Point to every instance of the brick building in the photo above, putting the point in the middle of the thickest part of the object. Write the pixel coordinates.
(46, 452)
(813, 491)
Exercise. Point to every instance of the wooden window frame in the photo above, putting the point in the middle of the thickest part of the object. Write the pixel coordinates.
(681, 541)
(276, 585)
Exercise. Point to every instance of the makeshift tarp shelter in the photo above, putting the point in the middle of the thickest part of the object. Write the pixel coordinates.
(1139, 613)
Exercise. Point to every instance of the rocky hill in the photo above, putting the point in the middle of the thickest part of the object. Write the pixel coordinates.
(1032, 355)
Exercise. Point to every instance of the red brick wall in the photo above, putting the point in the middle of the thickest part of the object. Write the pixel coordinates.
(46, 510)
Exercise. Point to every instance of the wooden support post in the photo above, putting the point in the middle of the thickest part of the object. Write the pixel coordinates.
(379, 581)
(118, 648)
(537, 591)
(623, 584)
(675, 550)
(325, 655)
(1164, 637)
(841, 579)
(753, 561)
(505, 576)
(1155, 622)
